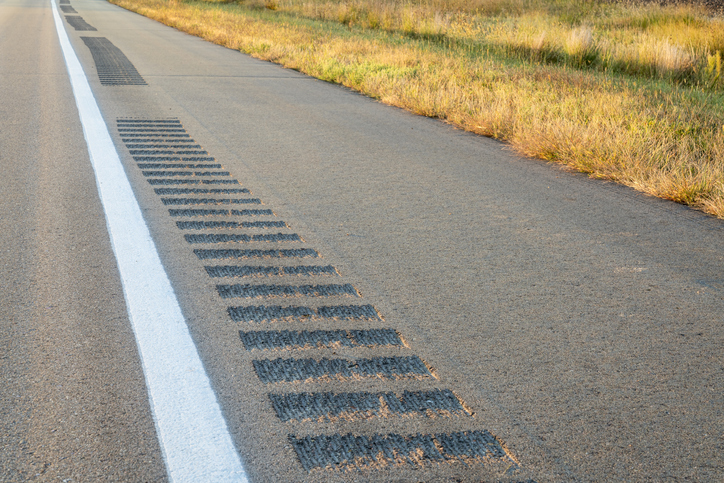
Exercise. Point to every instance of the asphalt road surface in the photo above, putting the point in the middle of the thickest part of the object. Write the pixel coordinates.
(374, 296)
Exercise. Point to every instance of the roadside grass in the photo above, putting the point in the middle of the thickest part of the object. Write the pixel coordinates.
(627, 92)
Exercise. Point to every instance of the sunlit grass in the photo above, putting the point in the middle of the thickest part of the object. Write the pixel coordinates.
(632, 93)
(673, 42)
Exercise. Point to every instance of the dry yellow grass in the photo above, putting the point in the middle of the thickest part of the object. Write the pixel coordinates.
(648, 113)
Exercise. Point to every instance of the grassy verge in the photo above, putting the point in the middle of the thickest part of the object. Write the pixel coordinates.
(626, 92)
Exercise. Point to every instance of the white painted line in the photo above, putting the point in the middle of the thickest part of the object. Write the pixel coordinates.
(192, 432)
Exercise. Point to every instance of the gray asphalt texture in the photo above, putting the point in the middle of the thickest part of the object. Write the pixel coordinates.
(73, 403)
(572, 325)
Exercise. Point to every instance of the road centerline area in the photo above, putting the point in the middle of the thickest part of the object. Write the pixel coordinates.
(191, 429)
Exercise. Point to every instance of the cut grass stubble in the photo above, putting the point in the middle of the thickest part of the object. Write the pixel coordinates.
(654, 133)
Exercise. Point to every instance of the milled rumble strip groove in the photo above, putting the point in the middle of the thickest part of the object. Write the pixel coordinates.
(211, 238)
(178, 166)
(129, 126)
(257, 271)
(166, 148)
(79, 24)
(147, 121)
(151, 137)
(205, 254)
(192, 433)
(162, 123)
(210, 212)
(264, 224)
(274, 313)
(156, 152)
(200, 191)
(268, 291)
(185, 159)
(211, 201)
(350, 451)
(167, 134)
(185, 173)
(174, 181)
(161, 147)
(190, 181)
(134, 130)
(167, 152)
(158, 137)
(201, 225)
(112, 66)
(170, 132)
(315, 339)
(198, 212)
(153, 142)
(295, 370)
(219, 181)
(148, 125)
(327, 406)
(135, 121)
(163, 138)
(135, 125)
